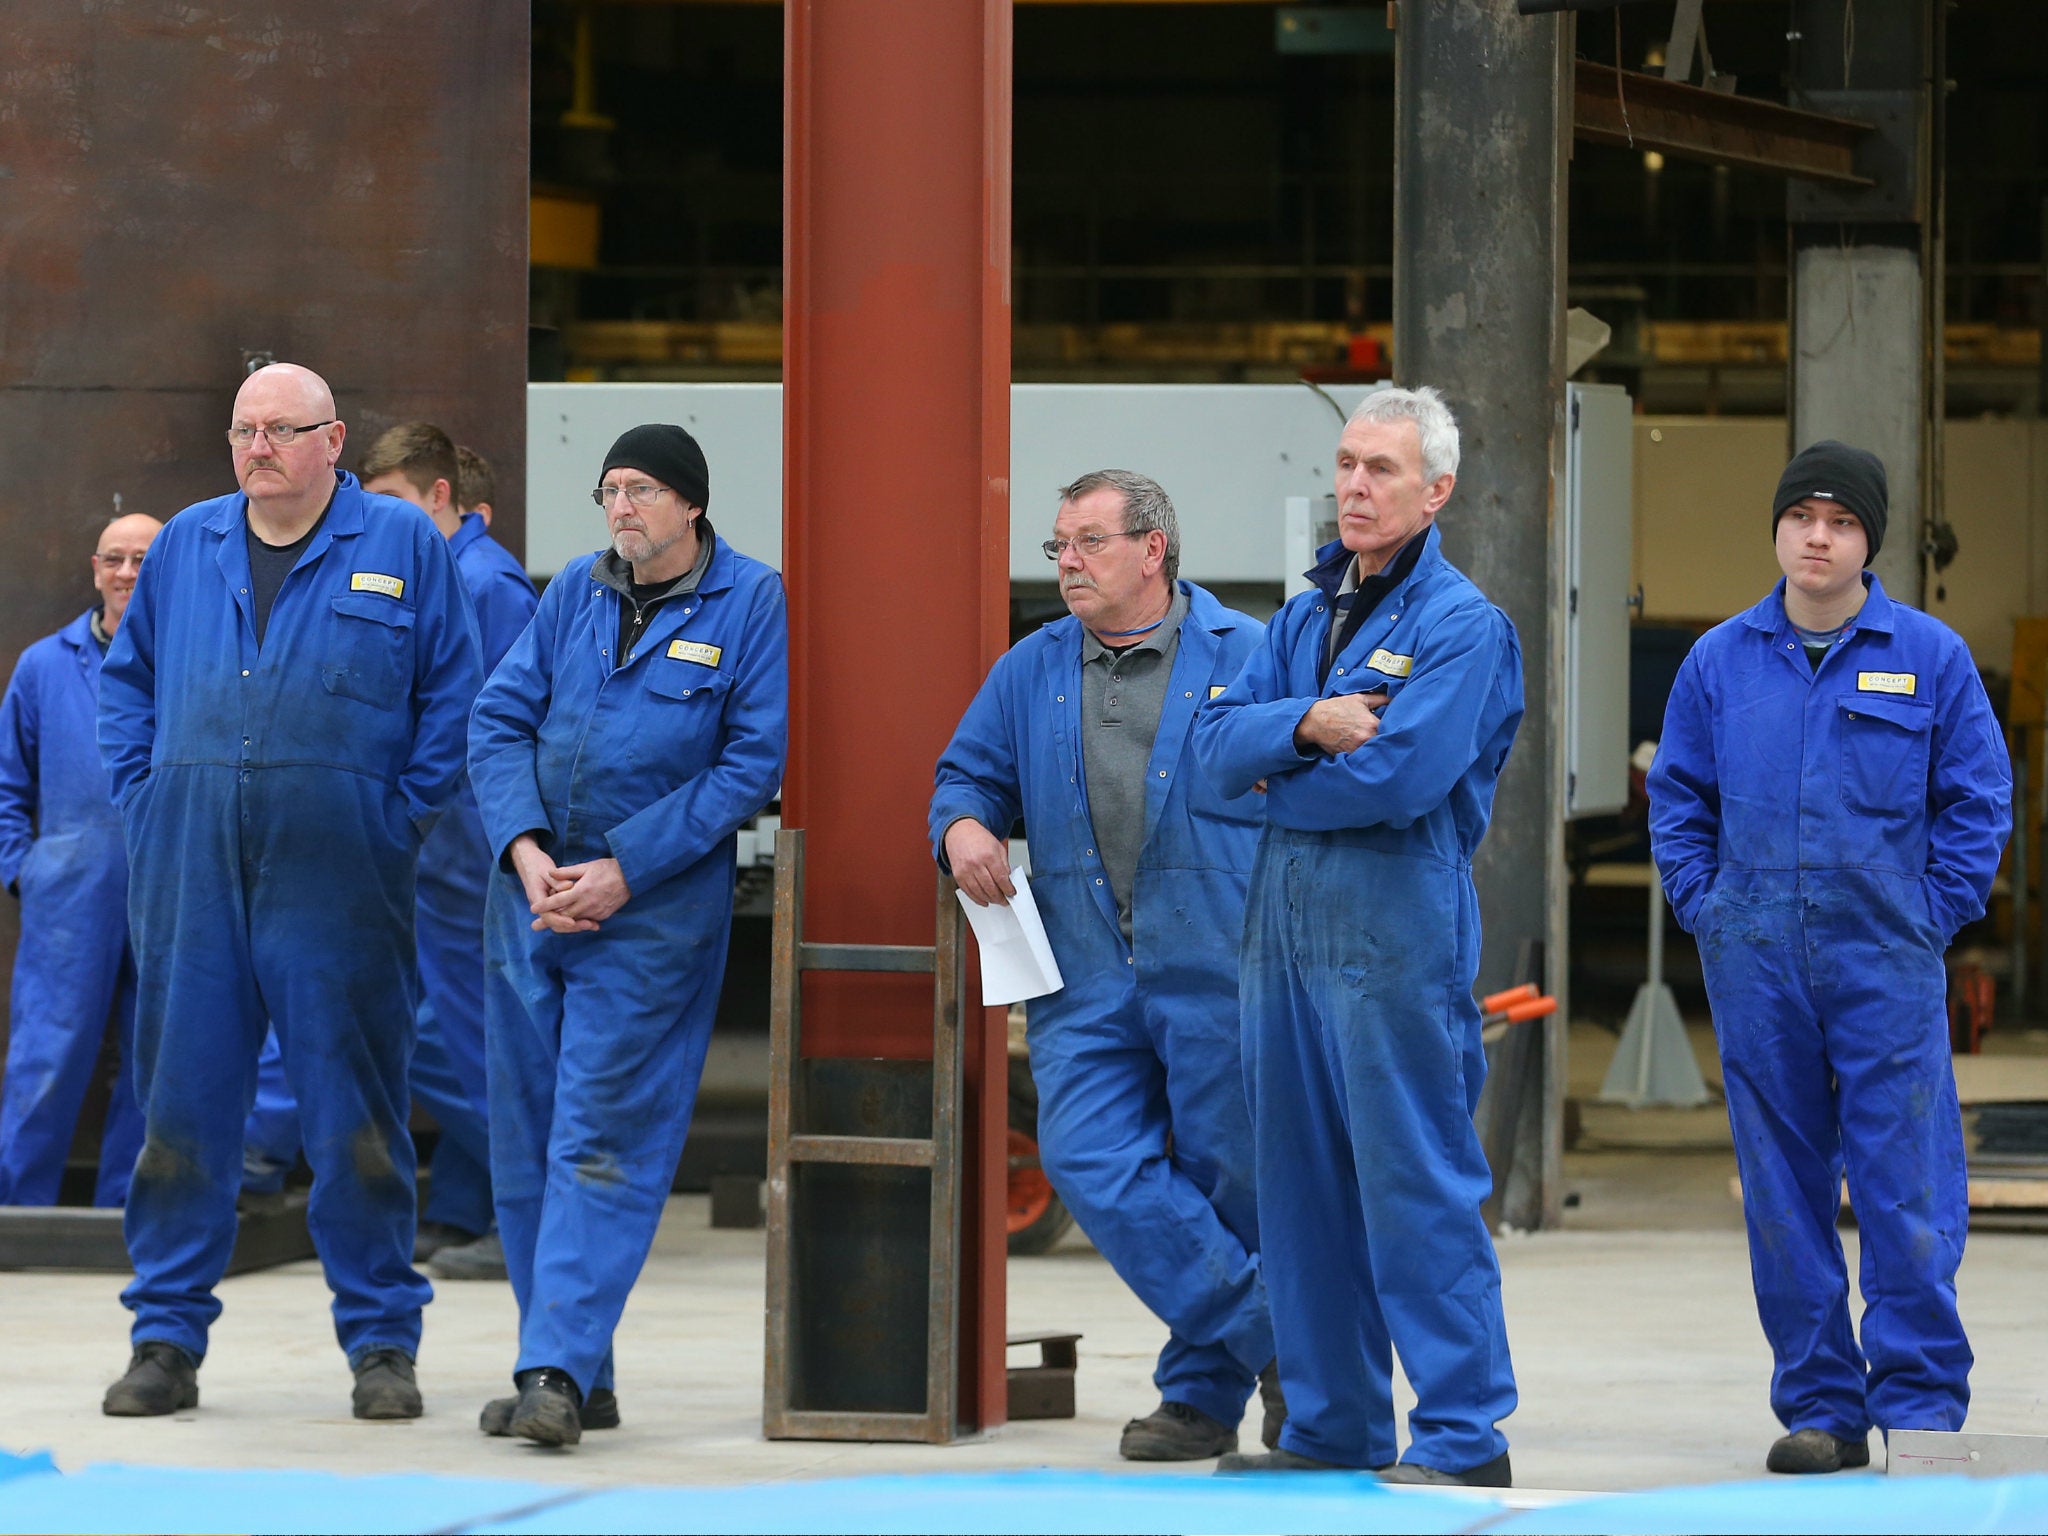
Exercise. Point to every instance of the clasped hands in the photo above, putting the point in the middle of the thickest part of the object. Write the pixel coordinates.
(570, 898)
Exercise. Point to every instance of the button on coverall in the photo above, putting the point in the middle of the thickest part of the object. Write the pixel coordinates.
(1824, 833)
(1362, 1046)
(1142, 1122)
(60, 851)
(597, 1040)
(274, 801)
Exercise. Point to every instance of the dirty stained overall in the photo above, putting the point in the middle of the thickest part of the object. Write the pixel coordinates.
(596, 1041)
(274, 801)
(1142, 1121)
(1362, 1048)
(1824, 833)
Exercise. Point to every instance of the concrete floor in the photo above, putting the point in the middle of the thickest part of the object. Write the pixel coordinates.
(1634, 1335)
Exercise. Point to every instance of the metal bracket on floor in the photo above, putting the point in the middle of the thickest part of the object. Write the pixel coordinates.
(88, 1240)
(864, 1198)
(1044, 1390)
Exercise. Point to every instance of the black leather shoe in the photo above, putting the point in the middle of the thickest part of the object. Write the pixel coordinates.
(1275, 1403)
(385, 1386)
(161, 1379)
(1175, 1432)
(1815, 1450)
(549, 1409)
(1488, 1474)
(599, 1411)
(1275, 1461)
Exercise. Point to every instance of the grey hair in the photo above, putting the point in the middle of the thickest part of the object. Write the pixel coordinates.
(1436, 429)
(1146, 507)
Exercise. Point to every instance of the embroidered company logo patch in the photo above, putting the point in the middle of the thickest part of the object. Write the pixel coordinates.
(370, 581)
(695, 650)
(1907, 683)
(1389, 663)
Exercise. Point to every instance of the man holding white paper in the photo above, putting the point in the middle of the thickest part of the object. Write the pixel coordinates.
(1139, 870)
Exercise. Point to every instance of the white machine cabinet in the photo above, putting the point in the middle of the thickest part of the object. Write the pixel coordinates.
(1598, 522)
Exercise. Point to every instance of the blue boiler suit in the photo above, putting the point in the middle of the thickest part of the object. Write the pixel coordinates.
(274, 801)
(597, 1040)
(60, 851)
(1143, 1127)
(1824, 833)
(1362, 1049)
(448, 1074)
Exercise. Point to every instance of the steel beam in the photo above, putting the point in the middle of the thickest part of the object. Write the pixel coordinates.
(896, 423)
(1648, 112)
(1482, 124)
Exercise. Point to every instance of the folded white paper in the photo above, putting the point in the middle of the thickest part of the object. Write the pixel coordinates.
(1016, 957)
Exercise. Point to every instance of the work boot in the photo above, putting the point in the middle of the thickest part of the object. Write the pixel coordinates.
(161, 1379)
(600, 1410)
(548, 1410)
(385, 1387)
(1275, 1403)
(483, 1259)
(430, 1237)
(1488, 1474)
(1275, 1460)
(1175, 1432)
(1812, 1450)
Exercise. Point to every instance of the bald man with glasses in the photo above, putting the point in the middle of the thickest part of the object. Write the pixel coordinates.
(282, 716)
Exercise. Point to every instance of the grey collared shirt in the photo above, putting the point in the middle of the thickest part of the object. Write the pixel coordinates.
(1122, 696)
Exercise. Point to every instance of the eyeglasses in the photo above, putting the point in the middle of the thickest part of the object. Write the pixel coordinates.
(119, 562)
(282, 435)
(641, 495)
(1087, 544)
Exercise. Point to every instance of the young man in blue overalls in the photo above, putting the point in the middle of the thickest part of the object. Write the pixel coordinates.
(1827, 808)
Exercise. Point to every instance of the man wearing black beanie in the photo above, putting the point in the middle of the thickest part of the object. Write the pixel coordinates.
(1827, 807)
(638, 722)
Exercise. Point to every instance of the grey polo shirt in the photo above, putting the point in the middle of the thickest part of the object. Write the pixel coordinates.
(1122, 696)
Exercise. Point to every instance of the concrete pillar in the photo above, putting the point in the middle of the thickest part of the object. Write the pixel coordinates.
(1863, 316)
(1483, 115)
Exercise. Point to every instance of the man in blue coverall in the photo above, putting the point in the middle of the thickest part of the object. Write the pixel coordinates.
(1377, 714)
(1138, 870)
(636, 724)
(417, 462)
(1824, 827)
(281, 715)
(61, 854)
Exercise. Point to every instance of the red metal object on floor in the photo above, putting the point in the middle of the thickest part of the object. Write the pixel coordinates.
(896, 441)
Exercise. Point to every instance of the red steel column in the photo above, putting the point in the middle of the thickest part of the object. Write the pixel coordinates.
(896, 444)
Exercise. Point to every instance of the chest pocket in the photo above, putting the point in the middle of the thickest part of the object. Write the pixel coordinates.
(369, 649)
(1885, 747)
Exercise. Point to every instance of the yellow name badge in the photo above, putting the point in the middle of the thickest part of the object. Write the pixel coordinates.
(694, 650)
(1217, 692)
(1907, 683)
(1389, 663)
(370, 581)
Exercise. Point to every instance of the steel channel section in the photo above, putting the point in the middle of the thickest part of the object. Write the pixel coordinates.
(896, 452)
(1645, 112)
(1483, 116)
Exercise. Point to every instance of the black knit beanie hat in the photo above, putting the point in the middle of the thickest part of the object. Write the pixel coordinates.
(669, 454)
(1836, 472)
